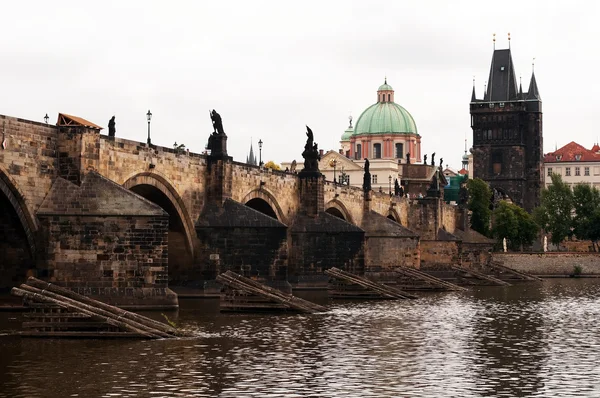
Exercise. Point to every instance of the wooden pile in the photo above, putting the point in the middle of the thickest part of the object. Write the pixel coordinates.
(346, 285)
(503, 269)
(244, 294)
(491, 280)
(423, 281)
(60, 312)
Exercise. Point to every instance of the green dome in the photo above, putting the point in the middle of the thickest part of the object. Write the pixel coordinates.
(465, 157)
(347, 134)
(385, 87)
(385, 117)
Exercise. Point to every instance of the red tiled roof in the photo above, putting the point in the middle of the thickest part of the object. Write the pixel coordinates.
(596, 148)
(463, 171)
(70, 120)
(572, 152)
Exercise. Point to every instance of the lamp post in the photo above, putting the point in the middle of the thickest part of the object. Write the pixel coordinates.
(46, 118)
(149, 117)
(390, 180)
(333, 163)
(260, 152)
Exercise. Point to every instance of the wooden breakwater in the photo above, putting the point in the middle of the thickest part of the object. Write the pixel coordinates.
(59, 312)
(348, 285)
(244, 294)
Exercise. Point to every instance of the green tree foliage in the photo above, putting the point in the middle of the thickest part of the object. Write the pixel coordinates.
(272, 165)
(586, 203)
(556, 209)
(515, 224)
(479, 205)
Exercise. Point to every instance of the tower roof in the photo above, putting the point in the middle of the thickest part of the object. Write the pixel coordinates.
(502, 83)
(385, 86)
(533, 92)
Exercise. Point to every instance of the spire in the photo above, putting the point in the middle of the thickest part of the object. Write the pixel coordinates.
(533, 92)
(251, 159)
(473, 97)
(502, 83)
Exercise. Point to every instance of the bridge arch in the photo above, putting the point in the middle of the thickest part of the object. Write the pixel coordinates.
(394, 216)
(337, 208)
(159, 190)
(18, 233)
(261, 194)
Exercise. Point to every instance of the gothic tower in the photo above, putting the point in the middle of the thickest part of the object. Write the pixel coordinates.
(507, 134)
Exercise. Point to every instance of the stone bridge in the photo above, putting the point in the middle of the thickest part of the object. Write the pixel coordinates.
(117, 218)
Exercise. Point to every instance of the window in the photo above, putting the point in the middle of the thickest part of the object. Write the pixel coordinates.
(549, 171)
(578, 157)
(374, 179)
(586, 171)
(358, 151)
(577, 172)
(491, 105)
(389, 97)
(558, 157)
(497, 162)
(502, 105)
(399, 150)
(377, 151)
(567, 171)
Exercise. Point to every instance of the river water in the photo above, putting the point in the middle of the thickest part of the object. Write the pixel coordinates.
(529, 340)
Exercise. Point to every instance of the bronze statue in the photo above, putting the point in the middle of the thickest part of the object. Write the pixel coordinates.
(441, 161)
(367, 177)
(425, 159)
(433, 159)
(111, 127)
(217, 123)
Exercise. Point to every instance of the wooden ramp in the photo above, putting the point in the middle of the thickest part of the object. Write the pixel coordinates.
(59, 312)
(478, 275)
(501, 268)
(244, 294)
(426, 281)
(347, 285)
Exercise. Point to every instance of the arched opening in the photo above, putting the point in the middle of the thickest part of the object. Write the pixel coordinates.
(391, 217)
(17, 250)
(335, 212)
(262, 206)
(180, 254)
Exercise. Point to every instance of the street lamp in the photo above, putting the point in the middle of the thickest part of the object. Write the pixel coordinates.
(333, 163)
(260, 152)
(149, 117)
(46, 118)
(390, 180)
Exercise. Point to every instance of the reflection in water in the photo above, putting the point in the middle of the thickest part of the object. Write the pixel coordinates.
(533, 340)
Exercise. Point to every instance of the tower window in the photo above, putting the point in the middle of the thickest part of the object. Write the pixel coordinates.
(389, 97)
(399, 150)
(377, 151)
(497, 162)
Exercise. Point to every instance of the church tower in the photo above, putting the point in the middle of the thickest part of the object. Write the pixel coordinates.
(507, 134)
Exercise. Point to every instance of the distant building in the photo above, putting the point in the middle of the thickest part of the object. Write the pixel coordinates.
(575, 164)
(507, 134)
(251, 159)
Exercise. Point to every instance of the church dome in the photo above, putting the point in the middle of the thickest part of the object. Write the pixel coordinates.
(347, 134)
(385, 116)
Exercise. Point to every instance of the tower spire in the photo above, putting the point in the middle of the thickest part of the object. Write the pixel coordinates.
(473, 97)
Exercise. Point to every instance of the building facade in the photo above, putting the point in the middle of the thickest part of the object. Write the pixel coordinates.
(575, 164)
(507, 134)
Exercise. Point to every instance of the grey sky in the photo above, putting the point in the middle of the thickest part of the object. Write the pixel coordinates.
(271, 67)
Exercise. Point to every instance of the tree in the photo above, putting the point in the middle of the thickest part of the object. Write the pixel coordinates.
(586, 203)
(272, 165)
(515, 224)
(556, 209)
(479, 205)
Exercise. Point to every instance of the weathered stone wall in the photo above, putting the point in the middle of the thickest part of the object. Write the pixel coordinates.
(424, 217)
(439, 255)
(475, 255)
(279, 189)
(183, 173)
(551, 263)
(449, 217)
(113, 257)
(29, 159)
(383, 254)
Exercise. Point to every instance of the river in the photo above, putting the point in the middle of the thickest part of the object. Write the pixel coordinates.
(528, 340)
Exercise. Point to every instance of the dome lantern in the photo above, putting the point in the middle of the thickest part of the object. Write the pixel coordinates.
(385, 92)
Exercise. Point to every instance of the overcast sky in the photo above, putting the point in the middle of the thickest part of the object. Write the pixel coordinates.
(272, 67)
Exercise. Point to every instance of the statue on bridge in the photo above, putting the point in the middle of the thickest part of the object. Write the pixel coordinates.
(425, 159)
(217, 123)
(441, 162)
(367, 177)
(433, 159)
(311, 153)
(111, 127)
